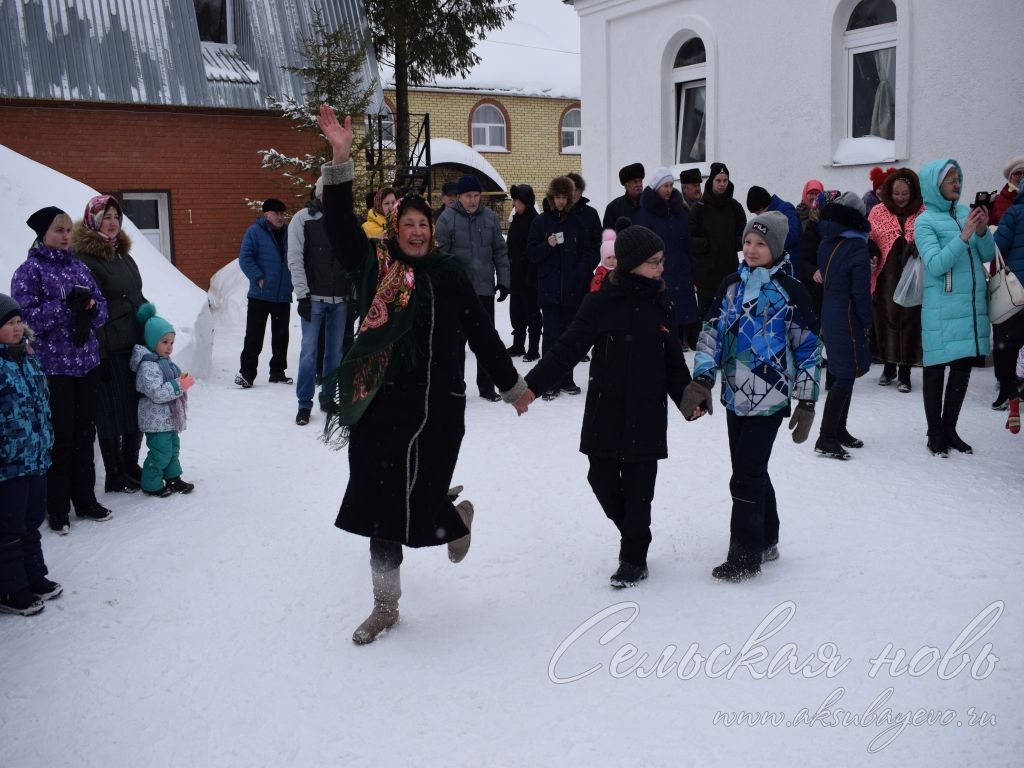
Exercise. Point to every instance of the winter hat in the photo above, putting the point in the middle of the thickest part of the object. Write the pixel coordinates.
(468, 183)
(318, 188)
(560, 185)
(154, 327)
(758, 199)
(95, 209)
(853, 200)
(577, 181)
(1013, 164)
(629, 172)
(824, 198)
(524, 194)
(607, 247)
(773, 227)
(634, 245)
(41, 220)
(690, 176)
(8, 308)
(273, 204)
(814, 184)
(449, 189)
(659, 176)
(717, 168)
(878, 176)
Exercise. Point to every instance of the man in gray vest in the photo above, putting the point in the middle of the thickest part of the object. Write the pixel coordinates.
(471, 230)
(323, 289)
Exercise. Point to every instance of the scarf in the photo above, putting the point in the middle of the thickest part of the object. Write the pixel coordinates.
(179, 405)
(754, 279)
(400, 289)
(94, 211)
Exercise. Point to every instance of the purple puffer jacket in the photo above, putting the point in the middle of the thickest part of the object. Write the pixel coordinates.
(41, 286)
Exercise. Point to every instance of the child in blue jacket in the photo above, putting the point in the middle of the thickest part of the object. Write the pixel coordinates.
(24, 459)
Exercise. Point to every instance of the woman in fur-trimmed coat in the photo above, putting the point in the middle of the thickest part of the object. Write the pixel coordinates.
(102, 245)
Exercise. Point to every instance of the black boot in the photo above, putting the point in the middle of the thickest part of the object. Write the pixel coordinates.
(533, 353)
(904, 379)
(828, 438)
(845, 438)
(931, 385)
(115, 482)
(518, 347)
(956, 391)
(130, 445)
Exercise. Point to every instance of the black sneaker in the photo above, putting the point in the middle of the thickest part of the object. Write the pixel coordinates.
(94, 511)
(281, 378)
(571, 388)
(59, 524)
(516, 350)
(177, 485)
(161, 493)
(45, 589)
(551, 394)
(832, 448)
(302, 417)
(22, 602)
(118, 482)
(243, 381)
(531, 357)
(734, 571)
(492, 396)
(628, 575)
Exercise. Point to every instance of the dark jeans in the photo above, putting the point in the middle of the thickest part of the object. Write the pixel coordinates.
(1008, 337)
(625, 490)
(384, 555)
(256, 327)
(525, 316)
(755, 516)
(556, 320)
(483, 381)
(22, 511)
(71, 478)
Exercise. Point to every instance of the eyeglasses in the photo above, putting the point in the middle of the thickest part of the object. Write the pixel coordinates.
(655, 261)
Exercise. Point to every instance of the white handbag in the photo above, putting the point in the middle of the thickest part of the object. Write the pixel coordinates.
(1005, 293)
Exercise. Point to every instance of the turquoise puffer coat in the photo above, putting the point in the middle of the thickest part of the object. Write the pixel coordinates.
(954, 314)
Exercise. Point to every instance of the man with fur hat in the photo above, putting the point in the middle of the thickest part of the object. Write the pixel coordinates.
(631, 177)
(263, 259)
(1013, 172)
(470, 230)
(690, 185)
(523, 310)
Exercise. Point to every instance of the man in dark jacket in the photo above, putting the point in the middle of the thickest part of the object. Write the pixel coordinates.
(449, 192)
(631, 177)
(760, 201)
(262, 259)
(690, 185)
(323, 289)
(523, 310)
(716, 229)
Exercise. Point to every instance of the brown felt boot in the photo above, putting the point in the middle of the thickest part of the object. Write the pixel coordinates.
(457, 549)
(387, 588)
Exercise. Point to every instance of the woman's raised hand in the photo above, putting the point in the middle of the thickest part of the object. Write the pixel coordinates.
(338, 135)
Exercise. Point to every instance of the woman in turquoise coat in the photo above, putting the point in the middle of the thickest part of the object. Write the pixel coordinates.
(953, 242)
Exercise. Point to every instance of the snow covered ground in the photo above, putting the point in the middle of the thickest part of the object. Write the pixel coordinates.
(214, 629)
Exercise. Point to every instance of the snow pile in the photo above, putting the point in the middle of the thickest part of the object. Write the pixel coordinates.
(27, 186)
(865, 149)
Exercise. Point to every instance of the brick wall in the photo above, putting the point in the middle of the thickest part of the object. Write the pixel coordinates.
(205, 159)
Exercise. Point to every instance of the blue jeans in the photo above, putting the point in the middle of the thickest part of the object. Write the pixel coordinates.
(332, 317)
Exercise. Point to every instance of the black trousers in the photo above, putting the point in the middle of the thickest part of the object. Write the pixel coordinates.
(625, 490)
(22, 511)
(255, 328)
(483, 381)
(71, 478)
(525, 316)
(385, 555)
(556, 320)
(755, 516)
(1008, 338)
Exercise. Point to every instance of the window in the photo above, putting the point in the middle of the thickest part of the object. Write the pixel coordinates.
(149, 211)
(488, 129)
(870, 46)
(572, 131)
(689, 82)
(214, 18)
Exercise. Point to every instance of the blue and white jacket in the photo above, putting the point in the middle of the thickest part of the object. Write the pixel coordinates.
(26, 434)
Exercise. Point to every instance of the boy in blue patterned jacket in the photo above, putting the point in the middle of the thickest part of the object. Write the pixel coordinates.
(24, 459)
(761, 331)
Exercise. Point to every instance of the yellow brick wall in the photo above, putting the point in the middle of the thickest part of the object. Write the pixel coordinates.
(532, 129)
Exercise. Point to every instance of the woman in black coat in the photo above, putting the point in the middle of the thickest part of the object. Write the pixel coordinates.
(845, 315)
(400, 393)
(523, 310)
(637, 361)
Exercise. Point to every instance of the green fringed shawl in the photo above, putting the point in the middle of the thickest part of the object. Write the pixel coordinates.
(392, 297)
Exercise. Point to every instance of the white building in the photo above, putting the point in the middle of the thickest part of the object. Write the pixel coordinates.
(787, 90)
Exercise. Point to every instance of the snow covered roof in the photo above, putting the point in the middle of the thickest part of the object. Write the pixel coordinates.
(451, 152)
(536, 54)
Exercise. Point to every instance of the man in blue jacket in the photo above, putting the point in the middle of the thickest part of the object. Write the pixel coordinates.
(263, 259)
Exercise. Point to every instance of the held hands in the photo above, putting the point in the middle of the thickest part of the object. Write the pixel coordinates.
(502, 292)
(185, 381)
(523, 403)
(696, 400)
(338, 135)
(801, 420)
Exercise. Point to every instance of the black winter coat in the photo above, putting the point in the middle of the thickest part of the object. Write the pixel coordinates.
(669, 219)
(716, 234)
(562, 270)
(590, 234)
(524, 274)
(619, 207)
(637, 360)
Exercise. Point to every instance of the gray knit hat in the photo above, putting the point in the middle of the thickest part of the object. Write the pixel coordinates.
(773, 227)
(8, 308)
(634, 245)
(852, 200)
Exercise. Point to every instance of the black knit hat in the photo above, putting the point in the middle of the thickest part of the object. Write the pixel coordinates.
(758, 199)
(629, 172)
(690, 176)
(273, 204)
(523, 193)
(8, 308)
(717, 168)
(634, 245)
(41, 220)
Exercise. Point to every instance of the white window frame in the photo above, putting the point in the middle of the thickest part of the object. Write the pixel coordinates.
(229, 21)
(690, 76)
(163, 214)
(865, 41)
(488, 128)
(575, 132)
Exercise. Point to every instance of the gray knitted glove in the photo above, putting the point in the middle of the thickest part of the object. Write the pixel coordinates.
(801, 420)
(696, 395)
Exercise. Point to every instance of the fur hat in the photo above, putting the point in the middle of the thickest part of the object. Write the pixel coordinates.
(154, 327)
(273, 204)
(634, 245)
(524, 194)
(848, 210)
(1013, 164)
(97, 207)
(690, 176)
(607, 247)
(878, 176)
(773, 228)
(41, 220)
(659, 176)
(561, 185)
(629, 172)
(577, 181)
(468, 183)
(758, 199)
(8, 308)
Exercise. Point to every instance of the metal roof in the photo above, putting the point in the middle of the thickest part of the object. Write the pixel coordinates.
(149, 51)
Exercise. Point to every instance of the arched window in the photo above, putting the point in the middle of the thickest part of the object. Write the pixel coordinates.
(869, 44)
(689, 81)
(488, 129)
(572, 131)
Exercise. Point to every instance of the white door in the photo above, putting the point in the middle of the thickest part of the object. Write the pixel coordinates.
(150, 213)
